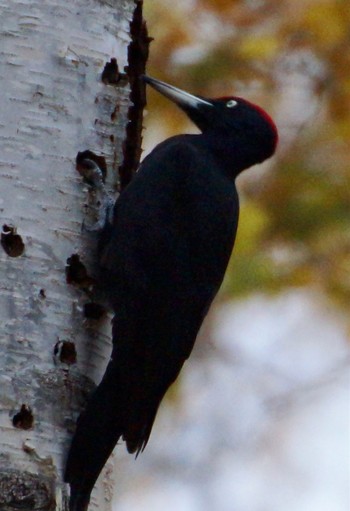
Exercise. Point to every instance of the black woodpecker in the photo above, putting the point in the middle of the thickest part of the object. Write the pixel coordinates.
(168, 247)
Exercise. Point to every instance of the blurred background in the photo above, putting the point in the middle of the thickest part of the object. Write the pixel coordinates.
(259, 418)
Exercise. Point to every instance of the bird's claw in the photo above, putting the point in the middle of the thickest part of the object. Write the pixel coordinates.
(105, 216)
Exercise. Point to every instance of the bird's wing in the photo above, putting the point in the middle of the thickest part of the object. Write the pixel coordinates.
(173, 232)
(174, 225)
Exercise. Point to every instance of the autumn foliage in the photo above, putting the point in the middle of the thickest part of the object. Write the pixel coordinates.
(293, 58)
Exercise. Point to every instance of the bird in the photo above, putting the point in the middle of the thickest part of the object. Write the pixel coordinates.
(163, 259)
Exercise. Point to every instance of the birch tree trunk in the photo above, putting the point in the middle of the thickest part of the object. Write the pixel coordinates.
(53, 104)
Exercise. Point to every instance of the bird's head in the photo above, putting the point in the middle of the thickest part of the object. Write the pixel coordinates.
(225, 117)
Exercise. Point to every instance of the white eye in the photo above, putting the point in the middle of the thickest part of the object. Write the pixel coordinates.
(231, 103)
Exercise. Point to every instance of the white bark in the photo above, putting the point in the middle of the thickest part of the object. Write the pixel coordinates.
(52, 105)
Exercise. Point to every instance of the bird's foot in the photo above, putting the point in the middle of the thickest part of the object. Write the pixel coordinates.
(104, 217)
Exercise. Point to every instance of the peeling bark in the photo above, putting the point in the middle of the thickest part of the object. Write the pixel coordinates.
(53, 106)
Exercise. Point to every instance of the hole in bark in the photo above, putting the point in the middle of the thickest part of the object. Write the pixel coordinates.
(76, 272)
(11, 242)
(93, 310)
(110, 74)
(83, 167)
(24, 419)
(65, 352)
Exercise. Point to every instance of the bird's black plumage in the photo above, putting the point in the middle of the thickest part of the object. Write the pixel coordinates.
(169, 245)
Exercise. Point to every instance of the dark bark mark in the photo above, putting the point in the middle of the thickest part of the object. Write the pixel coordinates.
(110, 74)
(65, 352)
(22, 490)
(115, 113)
(24, 419)
(137, 58)
(11, 242)
(76, 273)
(42, 293)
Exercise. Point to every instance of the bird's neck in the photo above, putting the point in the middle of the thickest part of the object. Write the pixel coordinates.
(233, 154)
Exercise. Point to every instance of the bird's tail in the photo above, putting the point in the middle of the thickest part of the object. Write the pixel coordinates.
(98, 430)
(139, 425)
(114, 410)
